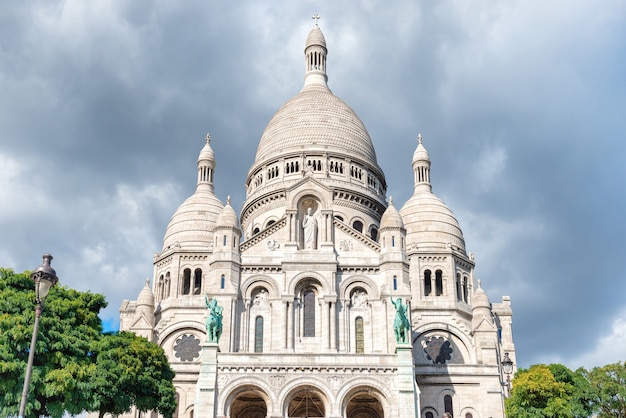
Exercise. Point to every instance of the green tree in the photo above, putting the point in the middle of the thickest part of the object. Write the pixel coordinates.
(608, 384)
(549, 391)
(129, 370)
(68, 327)
(75, 365)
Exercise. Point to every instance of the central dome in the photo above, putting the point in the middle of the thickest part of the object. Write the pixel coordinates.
(316, 120)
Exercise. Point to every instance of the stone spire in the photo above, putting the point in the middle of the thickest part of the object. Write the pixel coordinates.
(206, 166)
(421, 166)
(315, 52)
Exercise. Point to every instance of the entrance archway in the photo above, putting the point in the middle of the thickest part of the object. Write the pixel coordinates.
(364, 404)
(306, 402)
(248, 404)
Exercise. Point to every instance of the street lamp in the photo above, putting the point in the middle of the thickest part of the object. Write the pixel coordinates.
(507, 367)
(44, 277)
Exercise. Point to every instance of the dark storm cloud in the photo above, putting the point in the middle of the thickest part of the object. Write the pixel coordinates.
(104, 108)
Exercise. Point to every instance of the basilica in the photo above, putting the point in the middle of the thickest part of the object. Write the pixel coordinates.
(322, 298)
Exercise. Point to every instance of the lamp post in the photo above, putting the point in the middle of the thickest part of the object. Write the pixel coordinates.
(507, 367)
(44, 277)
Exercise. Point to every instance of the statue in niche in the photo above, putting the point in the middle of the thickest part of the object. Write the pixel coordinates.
(401, 324)
(309, 226)
(359, 299)
(261, 298)
(214, 319)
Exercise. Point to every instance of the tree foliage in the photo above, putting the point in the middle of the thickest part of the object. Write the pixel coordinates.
(75, 365)
(608, 385)
(549, 391)
(129, 370)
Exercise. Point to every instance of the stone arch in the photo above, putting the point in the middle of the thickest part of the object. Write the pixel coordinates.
(307, 399)
(368, 393)
(248, 287)
(468, 410)
(183, 344)
(348, 285)
(191, 326)
(308, 278)
(242, 393)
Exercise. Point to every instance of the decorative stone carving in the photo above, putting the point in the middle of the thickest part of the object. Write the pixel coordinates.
(345, 245)
(277, 382)
(438, 349)
(359, 299)
(272, 244)
(261, 298)
(187, 348)
(335, 382)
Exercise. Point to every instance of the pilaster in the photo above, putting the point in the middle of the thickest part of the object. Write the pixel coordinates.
(408, 392)
(206, 393)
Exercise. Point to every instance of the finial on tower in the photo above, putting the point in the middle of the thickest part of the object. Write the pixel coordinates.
(228, 200)
(148, 281)
(316, 17)
(208, 138)
(390, 200)
(419, 137)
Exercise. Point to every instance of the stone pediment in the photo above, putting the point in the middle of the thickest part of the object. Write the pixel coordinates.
(141, 323)
(485, 325)
(348, 239)
(266, 239)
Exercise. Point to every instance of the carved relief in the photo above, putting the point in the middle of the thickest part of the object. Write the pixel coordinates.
(273, 245)
(345, 245)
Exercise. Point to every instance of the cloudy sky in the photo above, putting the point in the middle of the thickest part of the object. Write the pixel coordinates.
(104, 106)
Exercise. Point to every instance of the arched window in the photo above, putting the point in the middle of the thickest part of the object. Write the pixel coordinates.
(459, 294)
(469, 415)
(308, 313)
(339, 218)
(224, 240)
(223, 283)
(393, 241)
(359, 339)
(428, 284)
(358, 225)
(438, 283)
(429, 415)
(374, 234)
(167, 285)
(395, 283)
(258, 334)
(160, 289)
(447, 404)
(186, 281)
(197, 282)
(256, 231)
(465, 289)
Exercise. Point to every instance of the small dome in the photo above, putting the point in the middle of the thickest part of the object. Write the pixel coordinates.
(146, 297)
(480, 298)
(316, 37)
(391, 218)
(430, 223)
(420, 153)
(193, 222)
(228, 217)
(206, 154)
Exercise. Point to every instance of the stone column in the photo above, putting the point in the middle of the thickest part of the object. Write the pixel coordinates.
(206, 388)
(406, 387)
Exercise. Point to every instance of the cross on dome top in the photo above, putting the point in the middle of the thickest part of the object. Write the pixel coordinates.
(316, 17)
(419, 138)
(208, 138)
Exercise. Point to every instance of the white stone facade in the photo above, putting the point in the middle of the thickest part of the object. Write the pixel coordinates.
(308, 329)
